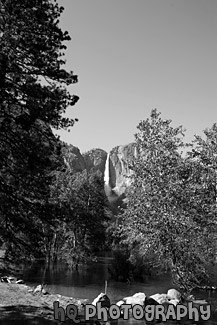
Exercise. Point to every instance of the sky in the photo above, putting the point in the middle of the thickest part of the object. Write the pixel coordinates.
(135, 55)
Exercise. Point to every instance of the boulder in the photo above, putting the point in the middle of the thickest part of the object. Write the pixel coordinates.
(160, 298)
(5, 279)
(120, 302)
(136, 299)
(150, 302)
(174, 294)
(174, 302)
(104, 299)
(40, 289)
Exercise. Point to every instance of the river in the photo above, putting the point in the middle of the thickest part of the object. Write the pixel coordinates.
(89, 280)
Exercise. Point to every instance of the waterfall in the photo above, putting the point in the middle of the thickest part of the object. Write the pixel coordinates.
(106, 176)
(136, 152)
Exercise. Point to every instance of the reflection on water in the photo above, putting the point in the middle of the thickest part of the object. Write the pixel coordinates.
(89, 281)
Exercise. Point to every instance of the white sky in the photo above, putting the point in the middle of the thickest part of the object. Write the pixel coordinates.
(134, 55)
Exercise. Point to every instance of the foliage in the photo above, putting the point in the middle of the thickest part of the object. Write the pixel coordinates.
(84, 214)
(171, 209)
(33, 96)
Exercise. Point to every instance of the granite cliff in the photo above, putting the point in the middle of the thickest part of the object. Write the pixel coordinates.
(95, 160)
(73, 158)
(114, 166)
(120, 157)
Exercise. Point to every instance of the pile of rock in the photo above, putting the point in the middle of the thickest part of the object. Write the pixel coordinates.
(172, 296)
(11, 279)
(41, 288)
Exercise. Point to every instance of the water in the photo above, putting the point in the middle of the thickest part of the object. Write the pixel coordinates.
(107, 186)
(106, 173)
(89, 281)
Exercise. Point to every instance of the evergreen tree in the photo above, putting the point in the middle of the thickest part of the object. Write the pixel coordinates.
(33, 97)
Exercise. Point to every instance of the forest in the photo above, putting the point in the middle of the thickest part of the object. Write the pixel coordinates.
(49, 211)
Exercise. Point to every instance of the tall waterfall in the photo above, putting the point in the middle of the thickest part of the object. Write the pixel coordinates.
(106, 176)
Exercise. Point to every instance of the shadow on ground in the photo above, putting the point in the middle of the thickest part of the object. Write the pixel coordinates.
(24, 315)
(31, 315)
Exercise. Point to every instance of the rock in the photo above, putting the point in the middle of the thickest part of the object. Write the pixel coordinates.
(120, 302)
(172, 297)
(5, 279)
(199, 302)
(73, 158)
(150, 301)
(174, 294)
(140, 295)
(174, 302)
(95, 160)
(136, 299)
(2, 253)
(190, 298)
(38, 289)
(119, 171)
(20, 282)
(160, 298)
(44, 292)
(104, 299)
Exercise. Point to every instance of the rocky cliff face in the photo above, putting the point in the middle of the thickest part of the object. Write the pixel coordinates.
(92, 160)
(74, 158)
(120, 157)
(95, 160)
(113, 165)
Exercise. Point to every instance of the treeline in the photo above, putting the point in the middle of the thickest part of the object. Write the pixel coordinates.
(170, 221)
(45, 209)
(83, 214)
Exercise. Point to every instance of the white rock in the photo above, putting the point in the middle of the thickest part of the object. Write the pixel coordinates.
(140, 295)
(38, 288)
(97, 298)
(120, 302)
(136, 299)
(5, 279)
(160, 297)
(174, 302)
(174, 294)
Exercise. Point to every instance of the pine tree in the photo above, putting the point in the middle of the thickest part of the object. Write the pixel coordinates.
(33, 98)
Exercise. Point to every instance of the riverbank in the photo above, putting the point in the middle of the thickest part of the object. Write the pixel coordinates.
(20, 305)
